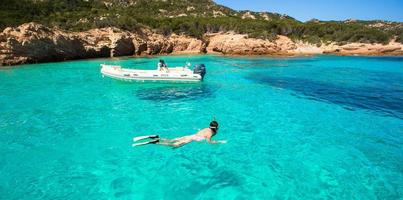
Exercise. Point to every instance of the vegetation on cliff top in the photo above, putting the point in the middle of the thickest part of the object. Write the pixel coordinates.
(191, 17)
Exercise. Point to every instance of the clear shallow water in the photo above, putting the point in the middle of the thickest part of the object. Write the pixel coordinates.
(297, 128)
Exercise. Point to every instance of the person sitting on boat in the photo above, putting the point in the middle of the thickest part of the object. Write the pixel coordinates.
(205, 134)
(162, 66)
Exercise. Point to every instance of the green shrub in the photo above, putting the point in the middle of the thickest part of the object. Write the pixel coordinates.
(79, 15)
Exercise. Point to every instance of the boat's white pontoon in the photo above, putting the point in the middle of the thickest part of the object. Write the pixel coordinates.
(173, 74)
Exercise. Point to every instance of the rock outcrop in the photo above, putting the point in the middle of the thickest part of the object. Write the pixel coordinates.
(106, 42)
(187, 45)
(35, 43)
(393, 48)
(239, 44)
(31, 43)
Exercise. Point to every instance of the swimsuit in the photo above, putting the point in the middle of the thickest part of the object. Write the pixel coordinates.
(197, 138)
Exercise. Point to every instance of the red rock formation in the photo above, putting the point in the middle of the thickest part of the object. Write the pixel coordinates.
(238, 44)
(31, 43)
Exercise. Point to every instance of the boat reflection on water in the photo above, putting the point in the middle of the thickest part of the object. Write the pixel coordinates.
(175, 92)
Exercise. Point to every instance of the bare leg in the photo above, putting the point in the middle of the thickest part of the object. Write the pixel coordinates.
(166, 142)
(175, 142)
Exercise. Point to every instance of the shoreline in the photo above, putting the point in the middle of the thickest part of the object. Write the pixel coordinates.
(34, 43)
(200, 54)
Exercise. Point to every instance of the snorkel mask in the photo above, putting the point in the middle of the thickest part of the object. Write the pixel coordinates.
(214, 126)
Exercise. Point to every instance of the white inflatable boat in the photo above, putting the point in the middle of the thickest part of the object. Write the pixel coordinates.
(172, 74)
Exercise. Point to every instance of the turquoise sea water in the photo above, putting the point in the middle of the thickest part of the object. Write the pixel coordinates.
(321, 127)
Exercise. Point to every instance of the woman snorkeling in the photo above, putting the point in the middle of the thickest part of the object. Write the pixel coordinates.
(205, 134)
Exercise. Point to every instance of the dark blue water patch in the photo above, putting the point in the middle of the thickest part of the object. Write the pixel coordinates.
(383, 100)
(172, 93)
(379, 78)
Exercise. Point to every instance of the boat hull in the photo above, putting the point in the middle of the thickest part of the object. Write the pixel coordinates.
(177, 74)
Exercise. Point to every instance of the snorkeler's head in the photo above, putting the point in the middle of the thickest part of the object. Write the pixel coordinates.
(161, 61)
(214, 126)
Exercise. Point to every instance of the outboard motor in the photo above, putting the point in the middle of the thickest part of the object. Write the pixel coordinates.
(200, 69)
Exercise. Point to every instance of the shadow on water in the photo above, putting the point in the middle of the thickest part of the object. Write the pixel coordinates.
(175, 92)
(383, 100)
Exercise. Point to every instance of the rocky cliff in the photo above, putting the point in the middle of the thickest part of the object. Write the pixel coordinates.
(238, 44)
(32, 43)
